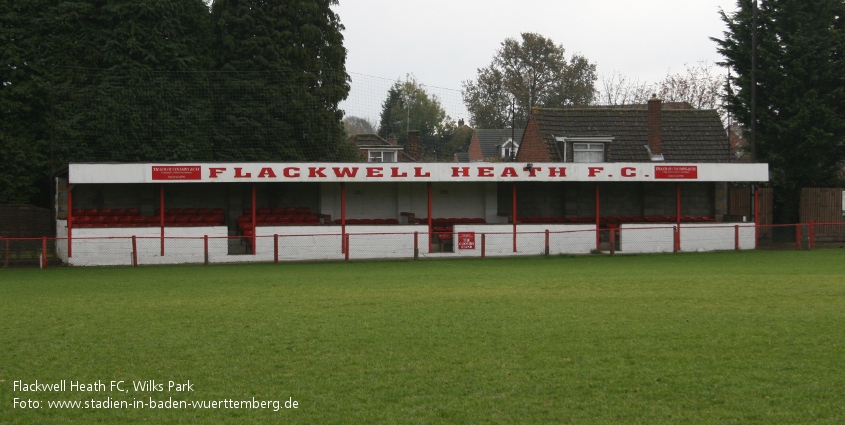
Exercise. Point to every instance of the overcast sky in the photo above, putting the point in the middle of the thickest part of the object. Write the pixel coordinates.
(443, 43)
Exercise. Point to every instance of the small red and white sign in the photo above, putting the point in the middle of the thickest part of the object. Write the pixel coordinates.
(180, 172)
(466, 240)
(676, 172)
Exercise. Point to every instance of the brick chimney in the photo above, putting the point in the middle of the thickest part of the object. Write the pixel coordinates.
(655, 124)
(412, 146)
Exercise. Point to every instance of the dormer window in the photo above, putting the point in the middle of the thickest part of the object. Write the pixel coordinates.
(584, 149)
(508, 150)
(588, 152)
(382, 156)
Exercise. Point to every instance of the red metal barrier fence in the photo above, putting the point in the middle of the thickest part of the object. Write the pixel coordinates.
(475, 242)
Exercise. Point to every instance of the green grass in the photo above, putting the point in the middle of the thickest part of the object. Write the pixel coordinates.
(750, 337)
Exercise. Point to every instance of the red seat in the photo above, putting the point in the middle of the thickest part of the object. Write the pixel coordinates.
(391, 221)
(139, 220)
(196, 219)
(133, 211)
(112, 220)
(189, 211)
(78, 212)
(353, 221)
(118, 212)
(203, 211)
(218, 211)
(363, 220)
(180, 220)
(154, 220)
(247, 211)
(264, 211)
(303, 210)
(277, 211)
(104, 211)
(213, 219)
(174, 211)
(91, 212)
(84, 220)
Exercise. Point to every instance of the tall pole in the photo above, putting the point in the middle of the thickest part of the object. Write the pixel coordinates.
(753, 138)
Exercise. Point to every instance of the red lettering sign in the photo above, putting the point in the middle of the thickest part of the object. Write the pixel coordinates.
(675, 172)
(466, 240)
(177, 172)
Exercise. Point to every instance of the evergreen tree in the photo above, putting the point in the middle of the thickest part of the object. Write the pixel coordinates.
(800, 77)
(291, 76)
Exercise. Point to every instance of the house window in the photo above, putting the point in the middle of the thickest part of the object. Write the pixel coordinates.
(379, 156)
(588, 152)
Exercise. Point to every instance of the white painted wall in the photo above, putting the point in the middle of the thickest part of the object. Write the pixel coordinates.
(113, 246)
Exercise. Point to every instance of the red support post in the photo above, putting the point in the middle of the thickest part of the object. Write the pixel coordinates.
(678, 205)
(547, 242)
(134, 252)
(205, 247)
(254, 220)
(161, 216)
(612, 240)
(43, 252)
(514, 212)
(798, 237)
(812, 235)
(69, 222)
(430, 222)
(276, 248)
(598, 218)
(416, 246)
(343, 218)
(483, 245)
(736, 238)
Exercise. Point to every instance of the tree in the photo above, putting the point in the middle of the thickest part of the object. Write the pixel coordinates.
(409, 107)
(290, 110)
(358, 125)
(533, 72)
(700, 87)
(800, 73)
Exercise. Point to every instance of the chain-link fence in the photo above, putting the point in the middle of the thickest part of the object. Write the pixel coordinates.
(478, 241)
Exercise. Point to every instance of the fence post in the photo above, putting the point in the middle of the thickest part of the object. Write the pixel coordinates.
(798, 237)
(676, 239)
(7, 254)
(134, 252)
(612, 240)
(483, 245)
(812, 235)
(547, 242)
(44, 252)
(205, 247)
(416, 246)
(736, 237)
(346, 244)
(275, 247)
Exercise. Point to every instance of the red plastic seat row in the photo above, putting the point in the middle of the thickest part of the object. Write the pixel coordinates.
(94, 212)
(369, 221)
(278, 211)
(191, 211)
(135, 221)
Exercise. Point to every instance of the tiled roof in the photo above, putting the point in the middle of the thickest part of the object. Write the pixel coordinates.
(489, 139)
(688, 135)
(364, 140)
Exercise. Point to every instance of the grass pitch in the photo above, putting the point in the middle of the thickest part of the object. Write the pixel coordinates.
(750, 337)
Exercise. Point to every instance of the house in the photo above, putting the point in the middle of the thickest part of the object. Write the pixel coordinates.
(373, 148)
(656, 133)
(494, 145)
